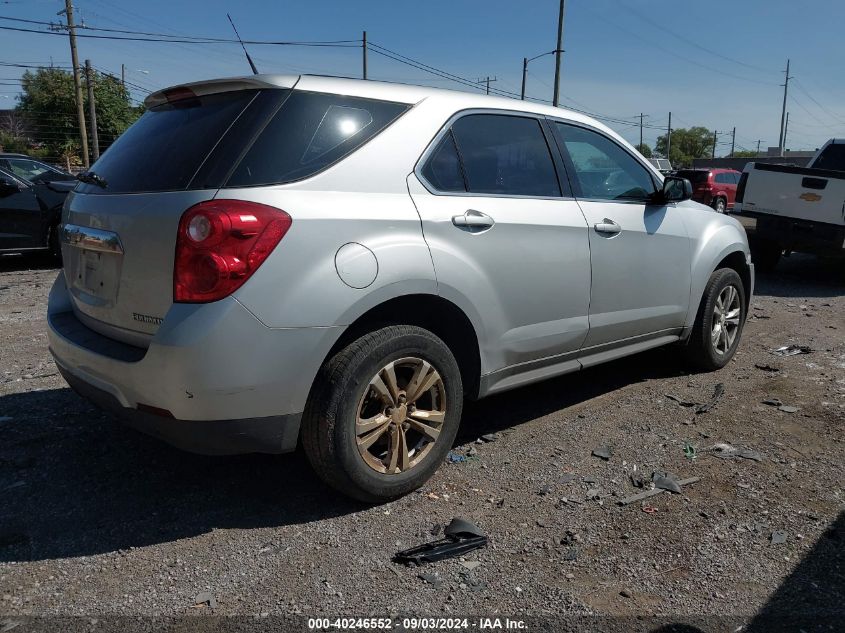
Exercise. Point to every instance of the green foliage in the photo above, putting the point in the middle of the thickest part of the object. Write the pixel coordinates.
(48, 105)
(695, 142)
(645, 150)
(745, 153)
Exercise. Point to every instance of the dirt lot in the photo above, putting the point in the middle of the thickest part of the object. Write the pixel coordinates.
(96, 519)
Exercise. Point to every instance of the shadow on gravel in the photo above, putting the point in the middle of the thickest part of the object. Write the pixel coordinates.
(527, 403)
(803, 276)
(74, 482)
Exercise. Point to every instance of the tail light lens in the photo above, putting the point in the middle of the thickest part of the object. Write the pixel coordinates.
(220, 244)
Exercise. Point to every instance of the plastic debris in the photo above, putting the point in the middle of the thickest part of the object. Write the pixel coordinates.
(778, 537)
(665, 481)
(603, 452)
(461, 536)
(726, 451)
(489, 437)
(649, 509)
(652, 493)
(788, 409)
(205, 599)
(767, 368)
(718, 392)
(455, 458)
(689, 450)
(773, 402)
(682, 402)
(791, 350)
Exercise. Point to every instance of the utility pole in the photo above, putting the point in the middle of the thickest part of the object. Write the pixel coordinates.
(785, 129)
(641, 131)
(783, 111)
(487, 81)
(558, 52)
(715, 140)
(759, 140)
(669, 137)
(733, 141)
(92, 109)
(123, 75)
(524, 74)
(80, 109)
(364, 52)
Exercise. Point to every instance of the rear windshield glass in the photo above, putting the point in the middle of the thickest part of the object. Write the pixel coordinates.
(833, 157)
(310, 132)
(695, 177)
(164, 148)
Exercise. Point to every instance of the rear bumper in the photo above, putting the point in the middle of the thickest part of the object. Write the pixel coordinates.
(230, 383)
(276, 434)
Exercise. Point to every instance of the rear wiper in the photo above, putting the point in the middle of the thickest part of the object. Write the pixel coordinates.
(90, 178)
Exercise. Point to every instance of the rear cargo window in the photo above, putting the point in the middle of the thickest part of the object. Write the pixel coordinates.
(310, 132)
(164, 148)
(833, 157)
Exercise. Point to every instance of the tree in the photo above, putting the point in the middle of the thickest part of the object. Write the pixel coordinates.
(48, 105)
(645, 150)
(745, 153)
(695, 142)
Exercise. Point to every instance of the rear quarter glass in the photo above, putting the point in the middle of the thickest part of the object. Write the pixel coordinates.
(310, 132)
(165, 148)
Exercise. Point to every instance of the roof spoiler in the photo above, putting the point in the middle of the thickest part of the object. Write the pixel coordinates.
(216, 86)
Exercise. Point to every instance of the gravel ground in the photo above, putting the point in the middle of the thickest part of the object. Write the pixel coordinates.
(96, 519)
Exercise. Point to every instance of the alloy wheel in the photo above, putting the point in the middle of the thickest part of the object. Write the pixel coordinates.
(726, 316)
(400, 415)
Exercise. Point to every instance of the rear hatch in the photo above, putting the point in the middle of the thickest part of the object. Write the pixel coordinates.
(120, 227)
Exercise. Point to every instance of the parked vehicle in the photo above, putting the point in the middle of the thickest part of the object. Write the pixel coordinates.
(714, 187)
(346, 261)
(30, 211)
(663, 165)
(799, 209)
(32, 170)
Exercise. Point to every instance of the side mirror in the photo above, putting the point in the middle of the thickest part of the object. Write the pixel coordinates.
(7, 185)
(676, 189)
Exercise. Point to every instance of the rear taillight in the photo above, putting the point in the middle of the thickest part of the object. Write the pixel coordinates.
(220, 244)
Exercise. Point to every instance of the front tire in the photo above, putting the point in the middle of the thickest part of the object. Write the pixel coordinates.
(719, 323)
(383, 413)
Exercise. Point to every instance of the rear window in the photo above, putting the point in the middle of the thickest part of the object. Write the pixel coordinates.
(164, 149)
(695, 177)
(310, 132)
(833, 157)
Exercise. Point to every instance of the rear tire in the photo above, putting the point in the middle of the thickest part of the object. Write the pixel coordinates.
(376, 387)
(719, 323)
(720, 205)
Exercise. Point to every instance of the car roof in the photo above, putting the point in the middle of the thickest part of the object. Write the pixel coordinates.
(387, 91)
(14, 155)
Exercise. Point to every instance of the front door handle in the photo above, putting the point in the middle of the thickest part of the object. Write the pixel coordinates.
(608, 227)
(473, 219)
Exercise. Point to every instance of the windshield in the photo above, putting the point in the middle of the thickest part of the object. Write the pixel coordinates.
(35, 171)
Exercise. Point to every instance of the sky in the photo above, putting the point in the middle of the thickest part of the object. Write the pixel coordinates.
(715, 63)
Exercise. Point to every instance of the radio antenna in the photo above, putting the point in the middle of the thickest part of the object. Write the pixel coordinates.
(248, 58)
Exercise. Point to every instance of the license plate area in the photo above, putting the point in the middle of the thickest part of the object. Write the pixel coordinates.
(92, 259)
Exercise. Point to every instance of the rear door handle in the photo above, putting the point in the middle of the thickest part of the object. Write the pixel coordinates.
(474, 219)
(607, 226)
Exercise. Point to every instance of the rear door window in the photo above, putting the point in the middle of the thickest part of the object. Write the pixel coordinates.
(443, 169)
(164, 149)
(310, 132)
(505, 155)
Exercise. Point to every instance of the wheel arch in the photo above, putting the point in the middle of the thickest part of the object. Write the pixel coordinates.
(431, 312)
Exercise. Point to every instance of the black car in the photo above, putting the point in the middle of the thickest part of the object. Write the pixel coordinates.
(31, 197)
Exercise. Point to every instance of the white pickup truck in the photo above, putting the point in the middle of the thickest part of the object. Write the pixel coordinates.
(799, 209)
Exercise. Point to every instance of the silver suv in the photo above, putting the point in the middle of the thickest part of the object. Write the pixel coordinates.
(265, 259)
